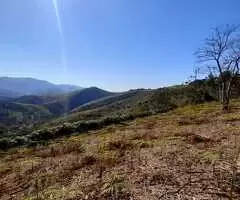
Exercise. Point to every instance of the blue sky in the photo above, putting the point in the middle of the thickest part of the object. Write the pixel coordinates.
(112, 44)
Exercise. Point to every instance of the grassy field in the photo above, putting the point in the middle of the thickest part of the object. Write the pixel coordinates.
(188, 153)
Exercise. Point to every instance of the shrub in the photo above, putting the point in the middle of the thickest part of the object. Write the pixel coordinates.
(4, 143)
(115, 189)
(88, 160)
(119, 145)
(21, 140)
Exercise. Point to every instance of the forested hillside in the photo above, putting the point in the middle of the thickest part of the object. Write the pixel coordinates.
(50, 117)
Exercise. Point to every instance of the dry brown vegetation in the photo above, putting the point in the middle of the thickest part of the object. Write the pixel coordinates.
(189, 153)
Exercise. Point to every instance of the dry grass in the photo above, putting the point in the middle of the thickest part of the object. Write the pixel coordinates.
(192, 152)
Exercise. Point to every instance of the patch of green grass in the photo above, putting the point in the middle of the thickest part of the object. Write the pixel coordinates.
(229, 117)
(232, 130)
(169, 141)
(115, 188)
(210, 156)
(199, 109)
(4, 169)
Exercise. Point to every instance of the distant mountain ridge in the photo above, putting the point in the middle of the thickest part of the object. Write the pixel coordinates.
(6, 94)
(69, 88)
(29, 110)
(75, 99)
(15, 87)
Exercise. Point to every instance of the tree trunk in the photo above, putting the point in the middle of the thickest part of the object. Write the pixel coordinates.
(225, 95)
(220, 92)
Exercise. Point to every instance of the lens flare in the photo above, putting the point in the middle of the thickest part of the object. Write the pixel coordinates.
(55, 5)
(60, 30)
(63, 53)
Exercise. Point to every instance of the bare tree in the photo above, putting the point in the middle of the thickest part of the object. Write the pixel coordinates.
(221, 55)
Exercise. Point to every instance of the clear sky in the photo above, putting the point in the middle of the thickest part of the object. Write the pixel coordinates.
(112, 44)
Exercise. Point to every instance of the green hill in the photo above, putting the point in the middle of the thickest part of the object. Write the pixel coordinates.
(36, 100)
(17, 113)
(58, 104)
(110, 109)
(93, 108)
(22, 115)
(139, 103)
(75, 99)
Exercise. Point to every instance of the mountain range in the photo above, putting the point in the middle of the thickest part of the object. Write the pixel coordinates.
(16, 87)
(66, 110)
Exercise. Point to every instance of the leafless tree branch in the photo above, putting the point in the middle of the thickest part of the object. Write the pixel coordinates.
(221, 56)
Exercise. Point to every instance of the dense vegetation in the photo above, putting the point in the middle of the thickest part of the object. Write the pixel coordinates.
(29, 124)
(68, 102)
(34, 109)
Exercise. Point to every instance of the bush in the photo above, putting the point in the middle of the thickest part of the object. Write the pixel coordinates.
(21, 140)
(4, 143)
(116, 188)
(88, 160)
(119, 145)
